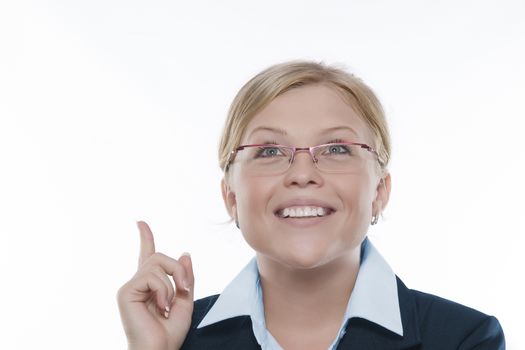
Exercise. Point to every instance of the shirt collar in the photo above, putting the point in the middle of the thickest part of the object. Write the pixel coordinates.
(240, 297)
(373, 298)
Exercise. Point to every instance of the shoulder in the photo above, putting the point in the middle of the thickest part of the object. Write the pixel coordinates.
(233, 333)
(202, 306)
(439, 320)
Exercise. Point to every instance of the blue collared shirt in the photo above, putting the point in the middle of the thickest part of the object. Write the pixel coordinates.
(374, 298)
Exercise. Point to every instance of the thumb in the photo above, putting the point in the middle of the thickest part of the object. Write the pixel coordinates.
(185, 260)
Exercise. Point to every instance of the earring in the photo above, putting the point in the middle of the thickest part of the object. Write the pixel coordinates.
(236, 220)
(375, 217)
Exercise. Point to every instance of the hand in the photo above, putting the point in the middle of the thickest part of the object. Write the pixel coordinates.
(155, 317)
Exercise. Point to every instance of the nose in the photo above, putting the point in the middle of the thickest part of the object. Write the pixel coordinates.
(303, 171)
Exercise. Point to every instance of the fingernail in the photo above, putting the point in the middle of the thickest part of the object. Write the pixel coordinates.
(187, 254)
(167, 312)
(186, 286)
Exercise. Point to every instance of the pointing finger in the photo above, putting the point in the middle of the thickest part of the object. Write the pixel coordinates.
(147, 244)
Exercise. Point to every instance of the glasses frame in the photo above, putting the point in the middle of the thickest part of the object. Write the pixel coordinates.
(294, 150)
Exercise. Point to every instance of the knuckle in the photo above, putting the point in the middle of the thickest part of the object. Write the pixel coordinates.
(123, 291)
(165, 259)
(152, 259)
(161, 275)
(119, 293)
(162, 263)
(159, 255)
(158, 270)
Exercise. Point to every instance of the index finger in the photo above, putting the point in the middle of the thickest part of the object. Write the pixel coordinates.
(147, 244)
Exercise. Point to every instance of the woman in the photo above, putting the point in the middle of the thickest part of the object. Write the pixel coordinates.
(305, 153)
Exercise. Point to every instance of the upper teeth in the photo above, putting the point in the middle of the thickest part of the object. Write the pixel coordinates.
(303, 211)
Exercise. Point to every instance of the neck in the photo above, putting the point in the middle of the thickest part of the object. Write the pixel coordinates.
(299, 299)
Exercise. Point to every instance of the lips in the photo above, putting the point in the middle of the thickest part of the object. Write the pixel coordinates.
(304, 202)
(305, 212)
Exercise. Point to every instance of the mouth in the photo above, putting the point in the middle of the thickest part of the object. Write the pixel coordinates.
(303, 212)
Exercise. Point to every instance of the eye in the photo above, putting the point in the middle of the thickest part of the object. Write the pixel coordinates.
(268, 152)
(338, 149)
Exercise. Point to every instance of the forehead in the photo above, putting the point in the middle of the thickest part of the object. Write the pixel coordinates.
(307, 114)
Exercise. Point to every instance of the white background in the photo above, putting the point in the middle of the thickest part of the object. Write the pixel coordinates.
(111, 111)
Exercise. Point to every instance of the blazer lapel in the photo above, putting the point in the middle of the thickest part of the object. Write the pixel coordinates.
(363, 334)
(234, 333)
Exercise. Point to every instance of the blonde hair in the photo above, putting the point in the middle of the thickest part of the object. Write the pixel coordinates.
(259, 91)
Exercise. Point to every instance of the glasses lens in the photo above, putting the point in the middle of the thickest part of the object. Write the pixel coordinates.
(265, 160)
(340, 158)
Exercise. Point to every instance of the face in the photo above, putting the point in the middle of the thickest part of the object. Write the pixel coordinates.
(300, 118)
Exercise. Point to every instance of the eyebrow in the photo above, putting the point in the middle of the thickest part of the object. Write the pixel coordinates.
(283, 132)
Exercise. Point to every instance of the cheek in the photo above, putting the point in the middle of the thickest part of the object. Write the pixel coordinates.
(253, 197)
(252, 200)
(357, 196)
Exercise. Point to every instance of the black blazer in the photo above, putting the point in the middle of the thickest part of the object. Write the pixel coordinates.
(429, 323)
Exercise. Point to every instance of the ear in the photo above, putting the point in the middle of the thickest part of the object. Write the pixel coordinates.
(229, 199)
(382, 194)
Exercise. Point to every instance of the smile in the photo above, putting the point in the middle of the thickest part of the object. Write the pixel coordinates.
(303, 212)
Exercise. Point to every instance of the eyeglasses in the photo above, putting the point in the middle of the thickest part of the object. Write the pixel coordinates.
(273, 159)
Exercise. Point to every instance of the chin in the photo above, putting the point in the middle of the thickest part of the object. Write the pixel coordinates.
(302, 259)
(298, 252)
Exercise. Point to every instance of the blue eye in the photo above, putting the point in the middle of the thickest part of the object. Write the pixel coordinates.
(266, 152)
(338, 149)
